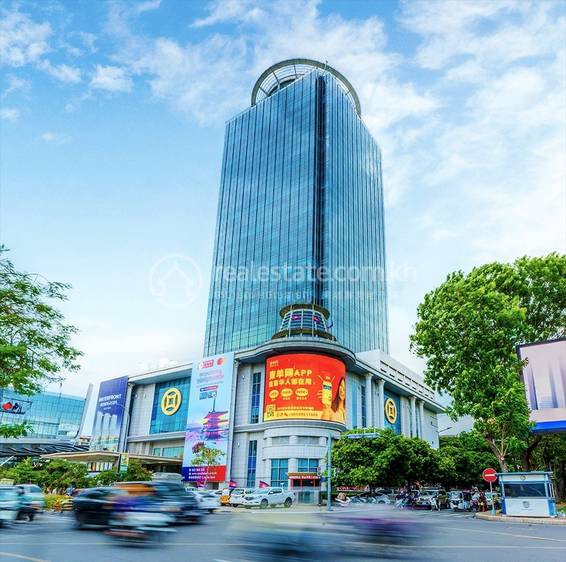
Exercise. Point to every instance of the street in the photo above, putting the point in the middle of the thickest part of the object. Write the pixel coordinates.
(448, 537)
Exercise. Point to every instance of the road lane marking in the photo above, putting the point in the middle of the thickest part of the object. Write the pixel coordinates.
(509, 534)
(23, 557)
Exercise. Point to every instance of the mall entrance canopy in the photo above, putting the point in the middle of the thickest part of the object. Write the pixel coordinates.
(112, 458)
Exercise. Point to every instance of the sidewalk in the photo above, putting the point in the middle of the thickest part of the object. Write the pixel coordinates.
(530, 520)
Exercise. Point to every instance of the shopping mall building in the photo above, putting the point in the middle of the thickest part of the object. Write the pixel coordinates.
(284, 399)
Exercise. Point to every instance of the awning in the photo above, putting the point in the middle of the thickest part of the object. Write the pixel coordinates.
(111, 457)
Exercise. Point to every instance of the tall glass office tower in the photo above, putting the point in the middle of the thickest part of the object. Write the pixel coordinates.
(300, 217)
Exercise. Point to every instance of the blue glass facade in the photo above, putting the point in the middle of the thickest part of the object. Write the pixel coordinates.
(51, 415)
(163, 423)
(300, 219)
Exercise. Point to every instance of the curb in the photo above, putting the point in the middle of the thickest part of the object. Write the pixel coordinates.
(530, 520)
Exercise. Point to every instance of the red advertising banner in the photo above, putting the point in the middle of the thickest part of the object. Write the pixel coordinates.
(305, 386)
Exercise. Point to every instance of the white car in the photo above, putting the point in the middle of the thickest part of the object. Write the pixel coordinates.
(207, 500)
(237, 495)
(269, 497)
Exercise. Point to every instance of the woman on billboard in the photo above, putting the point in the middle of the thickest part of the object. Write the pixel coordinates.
(335, 407)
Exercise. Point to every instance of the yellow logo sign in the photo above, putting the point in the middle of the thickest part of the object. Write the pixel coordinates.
(171, 401)
(390, 411)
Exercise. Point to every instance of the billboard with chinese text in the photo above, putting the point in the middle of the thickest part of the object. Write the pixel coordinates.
(206, 437)
(544, 376)
(305, 386)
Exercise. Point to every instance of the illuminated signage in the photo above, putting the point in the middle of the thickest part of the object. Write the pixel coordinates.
(305, 386)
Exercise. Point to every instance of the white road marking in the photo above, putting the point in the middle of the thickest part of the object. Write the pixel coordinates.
(469, 529)
(22, 557)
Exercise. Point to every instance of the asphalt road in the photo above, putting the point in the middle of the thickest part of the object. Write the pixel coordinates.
(223, 538)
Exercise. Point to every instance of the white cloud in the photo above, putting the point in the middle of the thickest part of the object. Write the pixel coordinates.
(62, 72)
(146, 6)
(111, 79)
(15, 84)
(9, 114)
(228, 10)
(55, 138)
(22, 41)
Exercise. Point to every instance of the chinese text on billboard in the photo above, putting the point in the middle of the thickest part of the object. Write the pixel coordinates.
(305, 386)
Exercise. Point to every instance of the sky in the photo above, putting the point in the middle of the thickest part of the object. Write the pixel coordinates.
(112, 122)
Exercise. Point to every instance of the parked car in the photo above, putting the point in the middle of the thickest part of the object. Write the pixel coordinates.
(269, 497)
(93, 506)
(34, 495)
(439, 493)
(237, 495)
(208, 500)
(172, 497)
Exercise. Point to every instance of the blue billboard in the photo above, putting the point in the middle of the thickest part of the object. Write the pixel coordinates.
(109, 414)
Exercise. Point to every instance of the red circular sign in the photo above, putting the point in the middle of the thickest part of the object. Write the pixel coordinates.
(489, 475)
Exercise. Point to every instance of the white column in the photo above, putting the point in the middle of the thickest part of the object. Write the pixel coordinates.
(413, 416)
(421, 415)
(369, 409)
(381, 404)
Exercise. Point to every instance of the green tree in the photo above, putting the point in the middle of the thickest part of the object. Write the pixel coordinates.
(386, 460)
(24, 472)
(34, 340)
(136, 472)
(550, 455)
(466, 456)
(468, 329)
(106, 478)
(60, 474)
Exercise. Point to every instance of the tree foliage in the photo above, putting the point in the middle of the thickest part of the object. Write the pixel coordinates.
(386, 460)
(467, 455)
(468, 329)
(34, 339)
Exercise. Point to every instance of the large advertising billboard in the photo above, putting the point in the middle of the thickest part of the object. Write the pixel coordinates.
(304, 386)
(544, 376)
(109, 414)
(206, 438)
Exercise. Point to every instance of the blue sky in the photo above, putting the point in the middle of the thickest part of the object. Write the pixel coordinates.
(112, 123)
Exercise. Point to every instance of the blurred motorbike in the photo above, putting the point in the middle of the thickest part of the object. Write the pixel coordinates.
(139, 520)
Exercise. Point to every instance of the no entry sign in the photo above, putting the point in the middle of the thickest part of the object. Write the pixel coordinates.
(489, 475)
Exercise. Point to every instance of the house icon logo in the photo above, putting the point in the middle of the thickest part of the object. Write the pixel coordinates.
(175, 280)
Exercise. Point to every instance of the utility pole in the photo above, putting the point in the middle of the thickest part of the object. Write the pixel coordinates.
(329, 474)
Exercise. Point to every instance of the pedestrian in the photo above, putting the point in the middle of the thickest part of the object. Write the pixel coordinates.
(434, 506)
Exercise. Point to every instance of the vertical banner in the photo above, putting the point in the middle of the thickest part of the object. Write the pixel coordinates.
(109, 414)
(206, 438)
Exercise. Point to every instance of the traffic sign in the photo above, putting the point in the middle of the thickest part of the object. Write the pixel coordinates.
(489, 475)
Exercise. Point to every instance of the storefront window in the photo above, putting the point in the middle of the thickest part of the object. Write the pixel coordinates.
(255, 398)
(307, 465)
(279, 470)
(252, 462)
